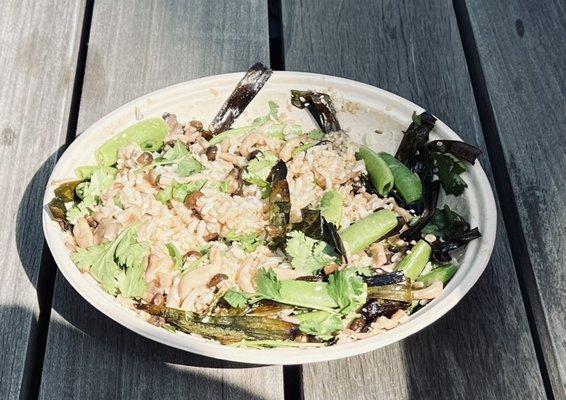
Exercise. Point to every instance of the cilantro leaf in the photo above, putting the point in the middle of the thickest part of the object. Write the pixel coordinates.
(259, 168)
(267, 283)
(175, 254)
(348, 290)
(180, 156)
(131, 282)
(109, 263)
(236, 298)
(272, 115)
(308, 255)
(319, 323)
(249, 241)
(448, 170)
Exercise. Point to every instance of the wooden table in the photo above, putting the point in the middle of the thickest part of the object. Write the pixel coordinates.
(492, 70)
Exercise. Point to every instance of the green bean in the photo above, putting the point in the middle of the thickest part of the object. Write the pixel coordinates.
(413, 264)
(407, 183)
(379, 173)
(149, 134)
(331, 207)
(367, 230)
(442, 274)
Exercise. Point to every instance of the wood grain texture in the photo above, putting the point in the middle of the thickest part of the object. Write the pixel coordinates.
(482, 348)
(522, 52)
(39, 42)
(134, 48)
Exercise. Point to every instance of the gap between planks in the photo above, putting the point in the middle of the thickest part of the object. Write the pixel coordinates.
(31, 381)
(509, 210)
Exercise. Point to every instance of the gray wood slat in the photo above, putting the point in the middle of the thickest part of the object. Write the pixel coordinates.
(134, 48)
(482, 348)
(39, 42)
(522, 49)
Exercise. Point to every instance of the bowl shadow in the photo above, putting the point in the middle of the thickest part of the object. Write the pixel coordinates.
(59, 301)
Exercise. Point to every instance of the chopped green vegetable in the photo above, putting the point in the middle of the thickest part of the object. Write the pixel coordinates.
(175, 255)
(149, 134)
(297, 293)
(199, 262)
(117, 201)
(413, 264)
(315, 134)
(308, 255)
(249, 241)
(85, 172)
(407, 183)
(236, 298)
(378, 170)
(223, 186)
(367, 230)
(441, 273)
(109, 263)
(348, 290)
(448, 169)
(302, 147)
(179, 191)
(259, 168)
(179, 155)
(319, 323)
(331, 207)
(90, 192)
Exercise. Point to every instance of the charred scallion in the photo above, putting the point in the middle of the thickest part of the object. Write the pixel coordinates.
(243, 94)
(320, 106)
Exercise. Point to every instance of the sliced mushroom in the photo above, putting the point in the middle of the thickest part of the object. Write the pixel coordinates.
(106, 230)
(249, 142)
(83, 233)
(286, 152)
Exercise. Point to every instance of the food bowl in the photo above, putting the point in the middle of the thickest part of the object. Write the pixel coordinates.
(370, 115)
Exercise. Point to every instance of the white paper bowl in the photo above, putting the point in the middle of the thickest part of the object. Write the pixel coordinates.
(369, 108)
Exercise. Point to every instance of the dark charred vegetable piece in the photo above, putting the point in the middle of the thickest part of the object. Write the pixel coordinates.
(375, 308)
(314, 225)
(395, 291)
(279, 199)
(320, 106)
(446, 223)
(385, 279)
(431, 191)
(243, 94)
(416, 135)
(266, 308)
(441, 250)
(66, 191)
(461, 150)
(225, 329)
(58, 209)
(310, 278)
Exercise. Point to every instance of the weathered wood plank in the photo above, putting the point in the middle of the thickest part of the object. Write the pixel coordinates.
(482, 348)
(522, 52)
(151, 45)
(39, 42)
